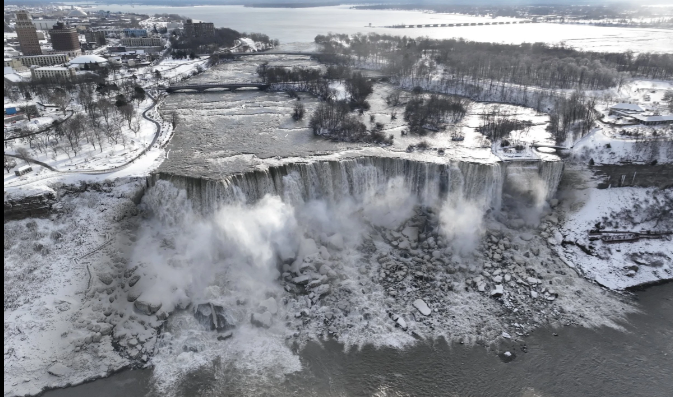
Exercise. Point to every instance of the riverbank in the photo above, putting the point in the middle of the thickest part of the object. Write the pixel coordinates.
(566, 361)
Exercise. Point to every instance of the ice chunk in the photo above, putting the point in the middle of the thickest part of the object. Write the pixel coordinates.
(422, 307)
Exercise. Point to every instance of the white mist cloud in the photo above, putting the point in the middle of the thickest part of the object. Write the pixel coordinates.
(461, 222)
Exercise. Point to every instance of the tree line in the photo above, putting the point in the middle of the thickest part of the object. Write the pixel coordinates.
(528, 64)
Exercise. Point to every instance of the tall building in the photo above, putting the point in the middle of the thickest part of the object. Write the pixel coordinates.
(97, 37)
(64, 38)
(27, 34)
(198, 29)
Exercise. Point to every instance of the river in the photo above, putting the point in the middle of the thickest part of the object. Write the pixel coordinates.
(634, 361)
(301, 25)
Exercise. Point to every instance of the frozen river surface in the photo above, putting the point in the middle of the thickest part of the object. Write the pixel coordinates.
(291, 25)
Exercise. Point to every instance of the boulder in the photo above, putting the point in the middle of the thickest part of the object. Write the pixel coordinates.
(422, 307)
(526, 236)
(335, 241)
(225, 336)
(59, 370)
(321, 290)
(324, 253)
(133, 280)
(411, 233)
(193, 345)
(269, 305)
(147, 307)
(262, 320)
(302, 280)
(106, 278)
(498, 291)
(213, 317)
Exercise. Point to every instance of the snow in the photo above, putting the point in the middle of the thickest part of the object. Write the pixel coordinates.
(50, 309)
(611, 263)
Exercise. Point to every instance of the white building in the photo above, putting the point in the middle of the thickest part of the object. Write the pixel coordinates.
(44, 24)
(82, 60)
(44, 60)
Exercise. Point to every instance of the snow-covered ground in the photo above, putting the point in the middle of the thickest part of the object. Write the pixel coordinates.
(619, 265)
(56, 331)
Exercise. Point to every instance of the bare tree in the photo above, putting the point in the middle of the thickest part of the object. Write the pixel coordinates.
(61, 98)
(23, 154)
(10, 163)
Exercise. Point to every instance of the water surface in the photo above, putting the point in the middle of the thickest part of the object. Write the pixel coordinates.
(635, 361)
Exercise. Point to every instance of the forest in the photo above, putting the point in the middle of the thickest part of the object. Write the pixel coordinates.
(550, 79)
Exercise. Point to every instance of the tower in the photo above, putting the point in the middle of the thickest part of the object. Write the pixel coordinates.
(27, 34)
(64, 38)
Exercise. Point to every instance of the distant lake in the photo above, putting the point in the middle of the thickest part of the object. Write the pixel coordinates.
(291, 25)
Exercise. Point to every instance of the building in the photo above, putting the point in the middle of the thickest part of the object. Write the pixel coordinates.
(14, 63)
(626, 109)
(23, 170)
(64, 38)
(198, 29)
(82, 60)
(135, 32)
(142, 42)
(27, 34)
(653, 120)
(52, 72)
(44, 24)
(44, 60)
(95, 37)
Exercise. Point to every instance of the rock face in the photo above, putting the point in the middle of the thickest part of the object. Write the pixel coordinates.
(261, 320)
(422, 307)
(35, 206)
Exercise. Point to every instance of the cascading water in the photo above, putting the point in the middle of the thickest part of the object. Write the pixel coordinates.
(336, 180)
(310, 249)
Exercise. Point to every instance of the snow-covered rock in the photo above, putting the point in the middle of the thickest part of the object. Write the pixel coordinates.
(498, 291)
(269, 305)
(59, 370)
(261, 320)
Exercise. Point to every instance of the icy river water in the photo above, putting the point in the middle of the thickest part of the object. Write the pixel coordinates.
(635, 361)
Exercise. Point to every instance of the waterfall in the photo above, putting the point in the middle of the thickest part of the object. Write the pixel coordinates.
(334, 180)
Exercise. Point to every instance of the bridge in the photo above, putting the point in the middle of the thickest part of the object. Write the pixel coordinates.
(450, 25)
(204, 87)
(251, 54)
